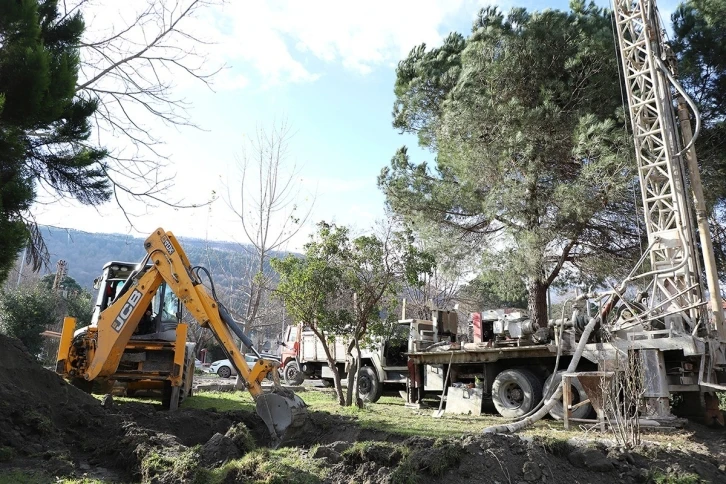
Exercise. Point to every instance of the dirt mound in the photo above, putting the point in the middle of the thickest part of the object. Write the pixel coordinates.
(506, 459)
(47, 424)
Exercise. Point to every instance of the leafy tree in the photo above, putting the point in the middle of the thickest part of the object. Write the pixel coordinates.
(533, 167)
(699, 28)
(25, 313)
(312, 289)
(42, 123)
(349, 287)
(375, 270)
(494, 289)
(73, 301)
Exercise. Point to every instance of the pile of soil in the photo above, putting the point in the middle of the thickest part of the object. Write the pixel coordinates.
(507, 459)
(47, 424)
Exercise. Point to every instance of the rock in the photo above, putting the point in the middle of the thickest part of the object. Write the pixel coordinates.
(219, 449)
(107, 401)
(590, 459)
(722, 467)
(531, 471)
(327, 453)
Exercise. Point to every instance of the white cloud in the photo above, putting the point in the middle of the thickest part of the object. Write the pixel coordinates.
(279, 38)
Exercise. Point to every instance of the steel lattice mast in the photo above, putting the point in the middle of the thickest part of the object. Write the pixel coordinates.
(676, 291)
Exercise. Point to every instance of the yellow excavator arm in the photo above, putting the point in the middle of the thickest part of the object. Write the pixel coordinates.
(117, 323)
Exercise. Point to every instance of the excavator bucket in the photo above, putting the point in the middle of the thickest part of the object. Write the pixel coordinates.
(283, 412)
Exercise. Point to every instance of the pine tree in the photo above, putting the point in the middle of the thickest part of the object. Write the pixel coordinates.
(533, 169)
(42, 124)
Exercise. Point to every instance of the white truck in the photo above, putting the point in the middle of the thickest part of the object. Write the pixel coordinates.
(303, 357)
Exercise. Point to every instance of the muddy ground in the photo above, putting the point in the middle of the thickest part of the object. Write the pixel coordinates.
(48, 425)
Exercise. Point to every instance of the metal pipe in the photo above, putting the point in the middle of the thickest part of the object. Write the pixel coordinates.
(704, 232)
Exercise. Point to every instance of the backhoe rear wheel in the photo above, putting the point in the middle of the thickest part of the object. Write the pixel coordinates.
(185, 390)
(82, 384)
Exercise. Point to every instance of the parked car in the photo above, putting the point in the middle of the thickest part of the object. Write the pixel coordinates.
(225, 369)
(198, 364)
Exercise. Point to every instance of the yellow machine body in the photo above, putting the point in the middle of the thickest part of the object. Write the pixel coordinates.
(95, 354)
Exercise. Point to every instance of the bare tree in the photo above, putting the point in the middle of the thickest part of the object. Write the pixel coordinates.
(267, 205)
(130, 69)
(131, 58)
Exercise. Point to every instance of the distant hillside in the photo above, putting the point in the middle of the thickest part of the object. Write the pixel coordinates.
(86, 253)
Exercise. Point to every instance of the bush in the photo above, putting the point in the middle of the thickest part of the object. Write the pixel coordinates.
(25, 313)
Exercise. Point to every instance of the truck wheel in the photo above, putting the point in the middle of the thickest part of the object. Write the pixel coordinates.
(578, 395)
(516, 392)
(369, 388)
(292, 373)
(327, 382)
(224, 372)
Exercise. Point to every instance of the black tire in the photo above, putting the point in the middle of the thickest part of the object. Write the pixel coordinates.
(369, 388)
(187, 381)
(516, 392)
(166, 395)
(292, 373)
(578, 395)
(327, 382)
(224, 372)
(82, 384)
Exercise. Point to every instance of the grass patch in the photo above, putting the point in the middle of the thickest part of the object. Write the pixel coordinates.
(660, 477)
(180, 467)
(39, 422)
(6, 453)
(221, 401)
(388, 415)
(37, 477)
(556, 446)
(265, 466)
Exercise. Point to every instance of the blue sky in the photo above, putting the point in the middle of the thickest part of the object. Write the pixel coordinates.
(328, 71)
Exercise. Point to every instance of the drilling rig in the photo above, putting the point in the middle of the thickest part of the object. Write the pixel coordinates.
(680, 336)
(673, 328)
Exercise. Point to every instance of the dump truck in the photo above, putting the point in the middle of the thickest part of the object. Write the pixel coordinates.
(382, 364)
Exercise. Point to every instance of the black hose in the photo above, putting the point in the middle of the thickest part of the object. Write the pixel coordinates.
(224, 313)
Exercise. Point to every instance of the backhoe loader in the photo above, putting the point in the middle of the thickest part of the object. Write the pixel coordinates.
(136, 336)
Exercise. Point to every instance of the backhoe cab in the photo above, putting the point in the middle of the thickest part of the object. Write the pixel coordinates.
(137, 338)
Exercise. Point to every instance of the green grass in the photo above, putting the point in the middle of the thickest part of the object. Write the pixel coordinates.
(38, 477)
(388, 415)
(179, 467)
(6, 453)
(659, 477)
(264, 466)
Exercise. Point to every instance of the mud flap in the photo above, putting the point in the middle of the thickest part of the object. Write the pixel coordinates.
(282, 411)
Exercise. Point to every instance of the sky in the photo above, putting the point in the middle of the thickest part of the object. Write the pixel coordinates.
(326, 67)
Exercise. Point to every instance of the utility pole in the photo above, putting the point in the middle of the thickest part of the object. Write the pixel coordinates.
(704, 233)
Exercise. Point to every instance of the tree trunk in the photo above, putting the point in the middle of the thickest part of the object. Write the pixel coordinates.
(537, 301)
(358, 400)
(352, 371)
(332, 365)
(336, 380)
